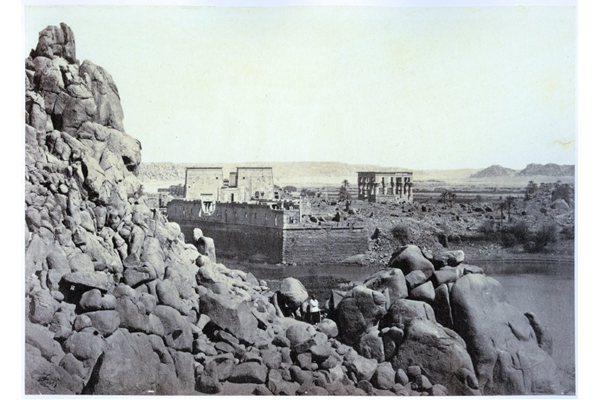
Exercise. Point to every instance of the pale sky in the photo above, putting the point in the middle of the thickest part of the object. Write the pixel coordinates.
(419, 88)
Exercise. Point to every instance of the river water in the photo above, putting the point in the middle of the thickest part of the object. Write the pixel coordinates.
(545, 289)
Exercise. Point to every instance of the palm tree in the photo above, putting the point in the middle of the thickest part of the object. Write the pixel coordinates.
(344, 194)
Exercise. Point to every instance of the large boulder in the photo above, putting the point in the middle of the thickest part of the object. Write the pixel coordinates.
(86, 347)
(384, 377)
(231, 314)
(500, 339)
(362, 368)
(403, 312)
(93, 300)
(104, 321)
(410, 258)
(129, 366)
(42, 338)
(133, 311)
(293, 291)
(248, 373)
(415, 278)
(298, 333)
(42, 307)
(448, 257)
(328, 327)
(106, 96)
(424, 292)
(441, 306)
(441, 353)
(44, 377)
(371, 346)
(177, 329)
(391, 279)
(81, 282)
(360, 310)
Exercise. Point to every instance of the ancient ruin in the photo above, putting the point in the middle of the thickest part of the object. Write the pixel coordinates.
(116, 302)
(378, 187)
(246, 184)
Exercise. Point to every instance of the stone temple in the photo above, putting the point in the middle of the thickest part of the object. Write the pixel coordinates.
(249, 220)
(376, 187)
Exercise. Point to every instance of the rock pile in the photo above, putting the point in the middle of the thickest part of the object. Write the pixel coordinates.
(118, 303)
(427, 305)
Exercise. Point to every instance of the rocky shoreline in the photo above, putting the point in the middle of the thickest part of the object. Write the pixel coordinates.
(118, 304)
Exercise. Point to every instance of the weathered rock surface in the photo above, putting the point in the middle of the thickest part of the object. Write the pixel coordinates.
(423, 343)
(391, 279)
(441, 306)
(424, 292)
(328, 327)
(249, 373)
(358, 311)
(293, 291)
(500, 339)
(448, 257)
(410, 258)
(230, 313)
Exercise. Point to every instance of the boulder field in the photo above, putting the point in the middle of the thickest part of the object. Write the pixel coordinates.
(118, 304)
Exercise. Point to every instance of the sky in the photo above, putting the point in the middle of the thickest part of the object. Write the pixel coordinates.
(410, 87)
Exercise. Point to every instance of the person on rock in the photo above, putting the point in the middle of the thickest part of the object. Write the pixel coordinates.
(315, 312)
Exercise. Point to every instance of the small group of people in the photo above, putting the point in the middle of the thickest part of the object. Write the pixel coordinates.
(309, 311)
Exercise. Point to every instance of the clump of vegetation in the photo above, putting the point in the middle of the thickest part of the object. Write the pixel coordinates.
(401, 233)
(447, 197)
(530, 190)
(541, 238)
(344, 193)
(562, 191)
(568, 233)
(520, 234)
(487, 230)
(305, 192)
(515, 234)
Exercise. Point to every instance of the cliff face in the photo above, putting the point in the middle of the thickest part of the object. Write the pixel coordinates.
(113, 301)
(118, 303)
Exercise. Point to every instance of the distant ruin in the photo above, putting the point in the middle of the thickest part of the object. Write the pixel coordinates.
(274, 232)
(377, 187)
(246, 184)
(249, 218)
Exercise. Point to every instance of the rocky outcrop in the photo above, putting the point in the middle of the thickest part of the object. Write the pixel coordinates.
(449, 320)
(501, 340)
(117, 303)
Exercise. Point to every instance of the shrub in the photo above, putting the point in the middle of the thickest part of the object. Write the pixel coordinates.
(521, 231)
(401, 233)
(568, 233)
(487, 230)
(515, 234)
(562, 191)
(508, 238)
(541, 238)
